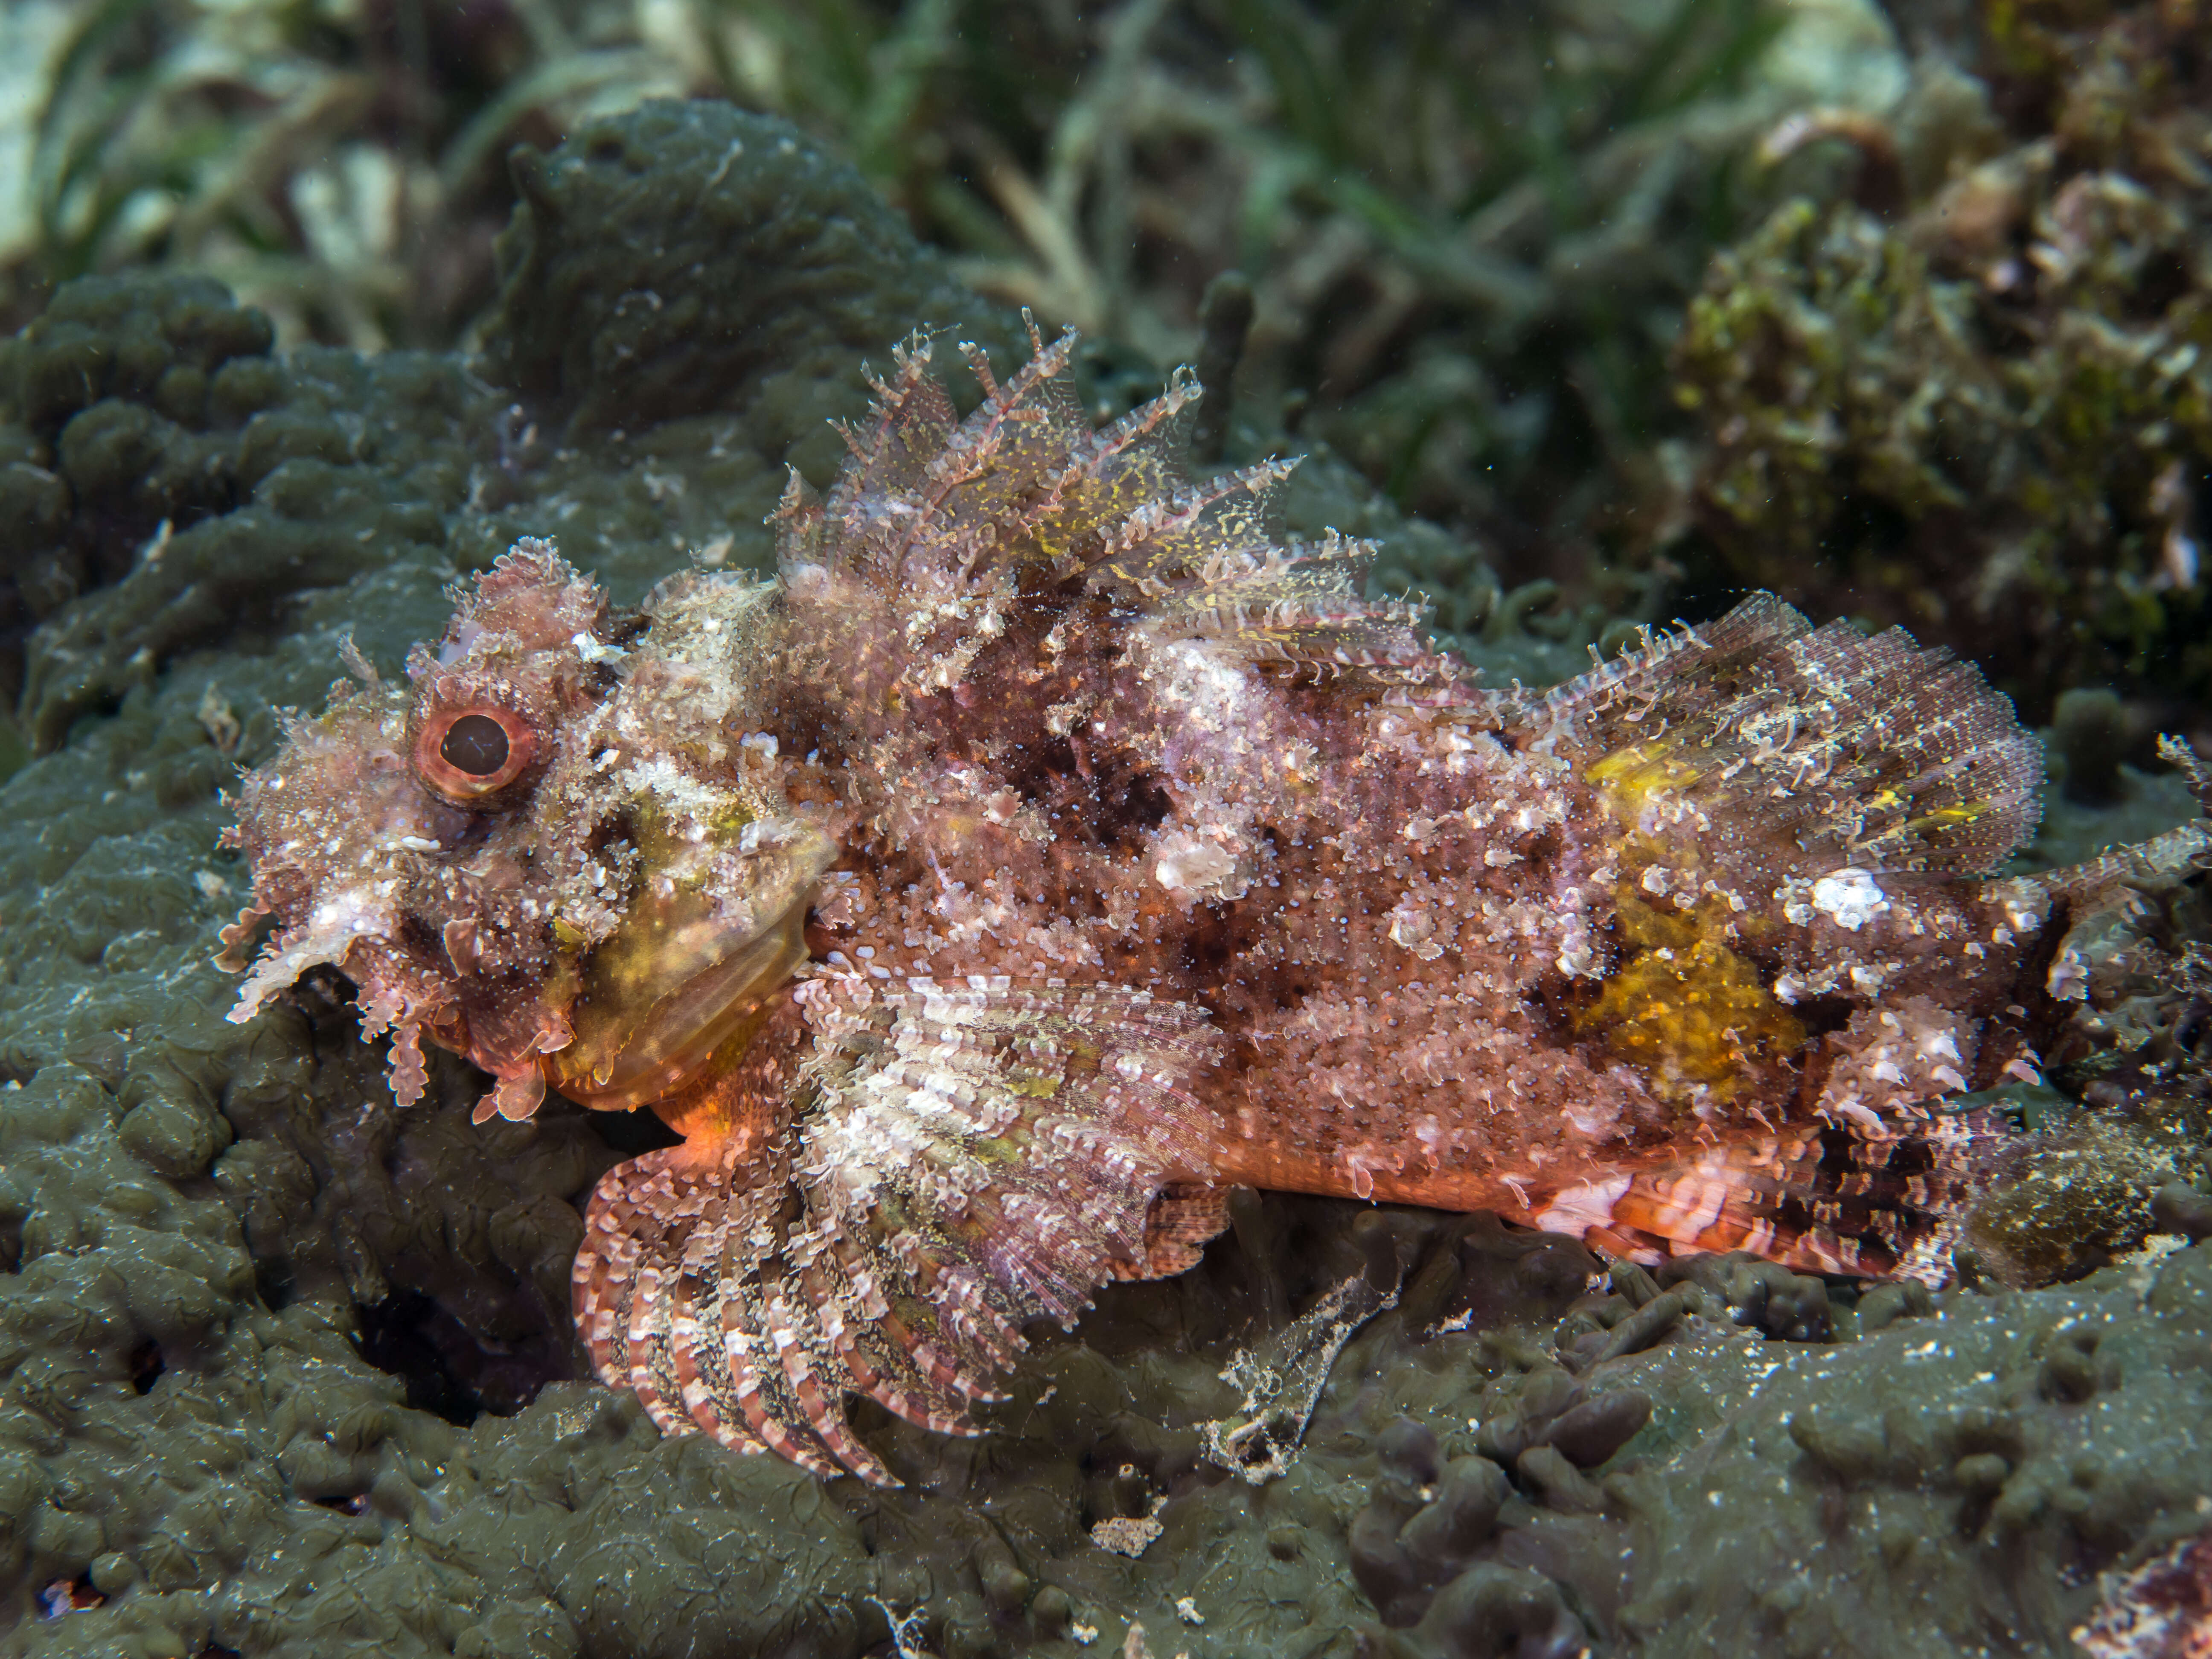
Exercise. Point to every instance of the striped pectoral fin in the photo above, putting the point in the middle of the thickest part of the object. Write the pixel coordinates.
(960, 1159)
(1178, 1227)
(990, 1151)
(1849, 1199)
(706, 1289)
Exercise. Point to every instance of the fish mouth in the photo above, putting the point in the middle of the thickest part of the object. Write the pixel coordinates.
(685, 983)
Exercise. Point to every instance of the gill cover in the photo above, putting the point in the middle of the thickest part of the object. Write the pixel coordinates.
(689, 973)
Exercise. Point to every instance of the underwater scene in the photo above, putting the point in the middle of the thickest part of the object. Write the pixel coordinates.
(1182, 829)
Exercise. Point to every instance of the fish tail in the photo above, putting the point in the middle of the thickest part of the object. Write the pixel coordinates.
(1823, 1198)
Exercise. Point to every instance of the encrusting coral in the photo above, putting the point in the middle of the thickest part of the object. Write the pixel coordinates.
(1051, 850)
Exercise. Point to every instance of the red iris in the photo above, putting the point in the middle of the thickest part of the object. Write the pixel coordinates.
(466, 754)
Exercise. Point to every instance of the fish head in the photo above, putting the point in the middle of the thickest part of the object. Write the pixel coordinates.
(556, 849)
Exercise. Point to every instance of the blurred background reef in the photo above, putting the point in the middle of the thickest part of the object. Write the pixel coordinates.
(1902, 313)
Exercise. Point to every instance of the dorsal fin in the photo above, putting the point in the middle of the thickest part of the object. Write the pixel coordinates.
(929, 510)
(1802, 747)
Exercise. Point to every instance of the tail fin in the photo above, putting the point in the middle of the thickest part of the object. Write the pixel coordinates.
(1818, 1197)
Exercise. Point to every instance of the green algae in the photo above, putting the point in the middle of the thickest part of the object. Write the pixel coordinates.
(275, 1356)
(1981, 393)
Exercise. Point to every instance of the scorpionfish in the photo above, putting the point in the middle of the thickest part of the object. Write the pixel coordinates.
(1049, 848)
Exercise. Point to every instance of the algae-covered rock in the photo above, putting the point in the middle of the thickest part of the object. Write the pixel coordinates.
(287, 1370)
(692, 257)
(1936, 1488)
(189, 486)
(1987, 417)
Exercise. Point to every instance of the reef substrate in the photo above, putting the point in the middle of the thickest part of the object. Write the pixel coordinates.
(284, 1369)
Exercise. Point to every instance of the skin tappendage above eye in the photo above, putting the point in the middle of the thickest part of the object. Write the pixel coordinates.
(840, 875)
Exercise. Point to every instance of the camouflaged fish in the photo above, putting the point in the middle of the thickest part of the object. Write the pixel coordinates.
(1049, 850)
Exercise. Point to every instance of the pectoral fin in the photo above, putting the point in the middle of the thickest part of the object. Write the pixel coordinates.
(965, 1158)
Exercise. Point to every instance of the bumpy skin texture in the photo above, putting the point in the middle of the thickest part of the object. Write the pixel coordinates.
(1140, 857)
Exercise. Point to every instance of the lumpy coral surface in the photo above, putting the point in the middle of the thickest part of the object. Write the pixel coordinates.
(286, 1370)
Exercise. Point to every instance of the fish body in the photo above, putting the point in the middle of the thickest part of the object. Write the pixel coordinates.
(1048, 850)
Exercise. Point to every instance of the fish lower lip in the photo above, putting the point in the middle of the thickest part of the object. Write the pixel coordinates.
(631, 1049)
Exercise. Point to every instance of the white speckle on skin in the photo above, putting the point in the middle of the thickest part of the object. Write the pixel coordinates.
(1578, 956)
(1794, 897)
(1579, 1208)
(1188, 864)
(342, 913)
(2027, 905)
(590, 649)
(1412, 928)
(2069, 979)
(1850, 898)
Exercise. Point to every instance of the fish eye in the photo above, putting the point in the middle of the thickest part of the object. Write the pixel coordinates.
(477, 743)
(466, 754)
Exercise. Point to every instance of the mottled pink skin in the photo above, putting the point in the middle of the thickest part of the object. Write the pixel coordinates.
(442, 911)
(2161, 1609)
(1140, 857)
